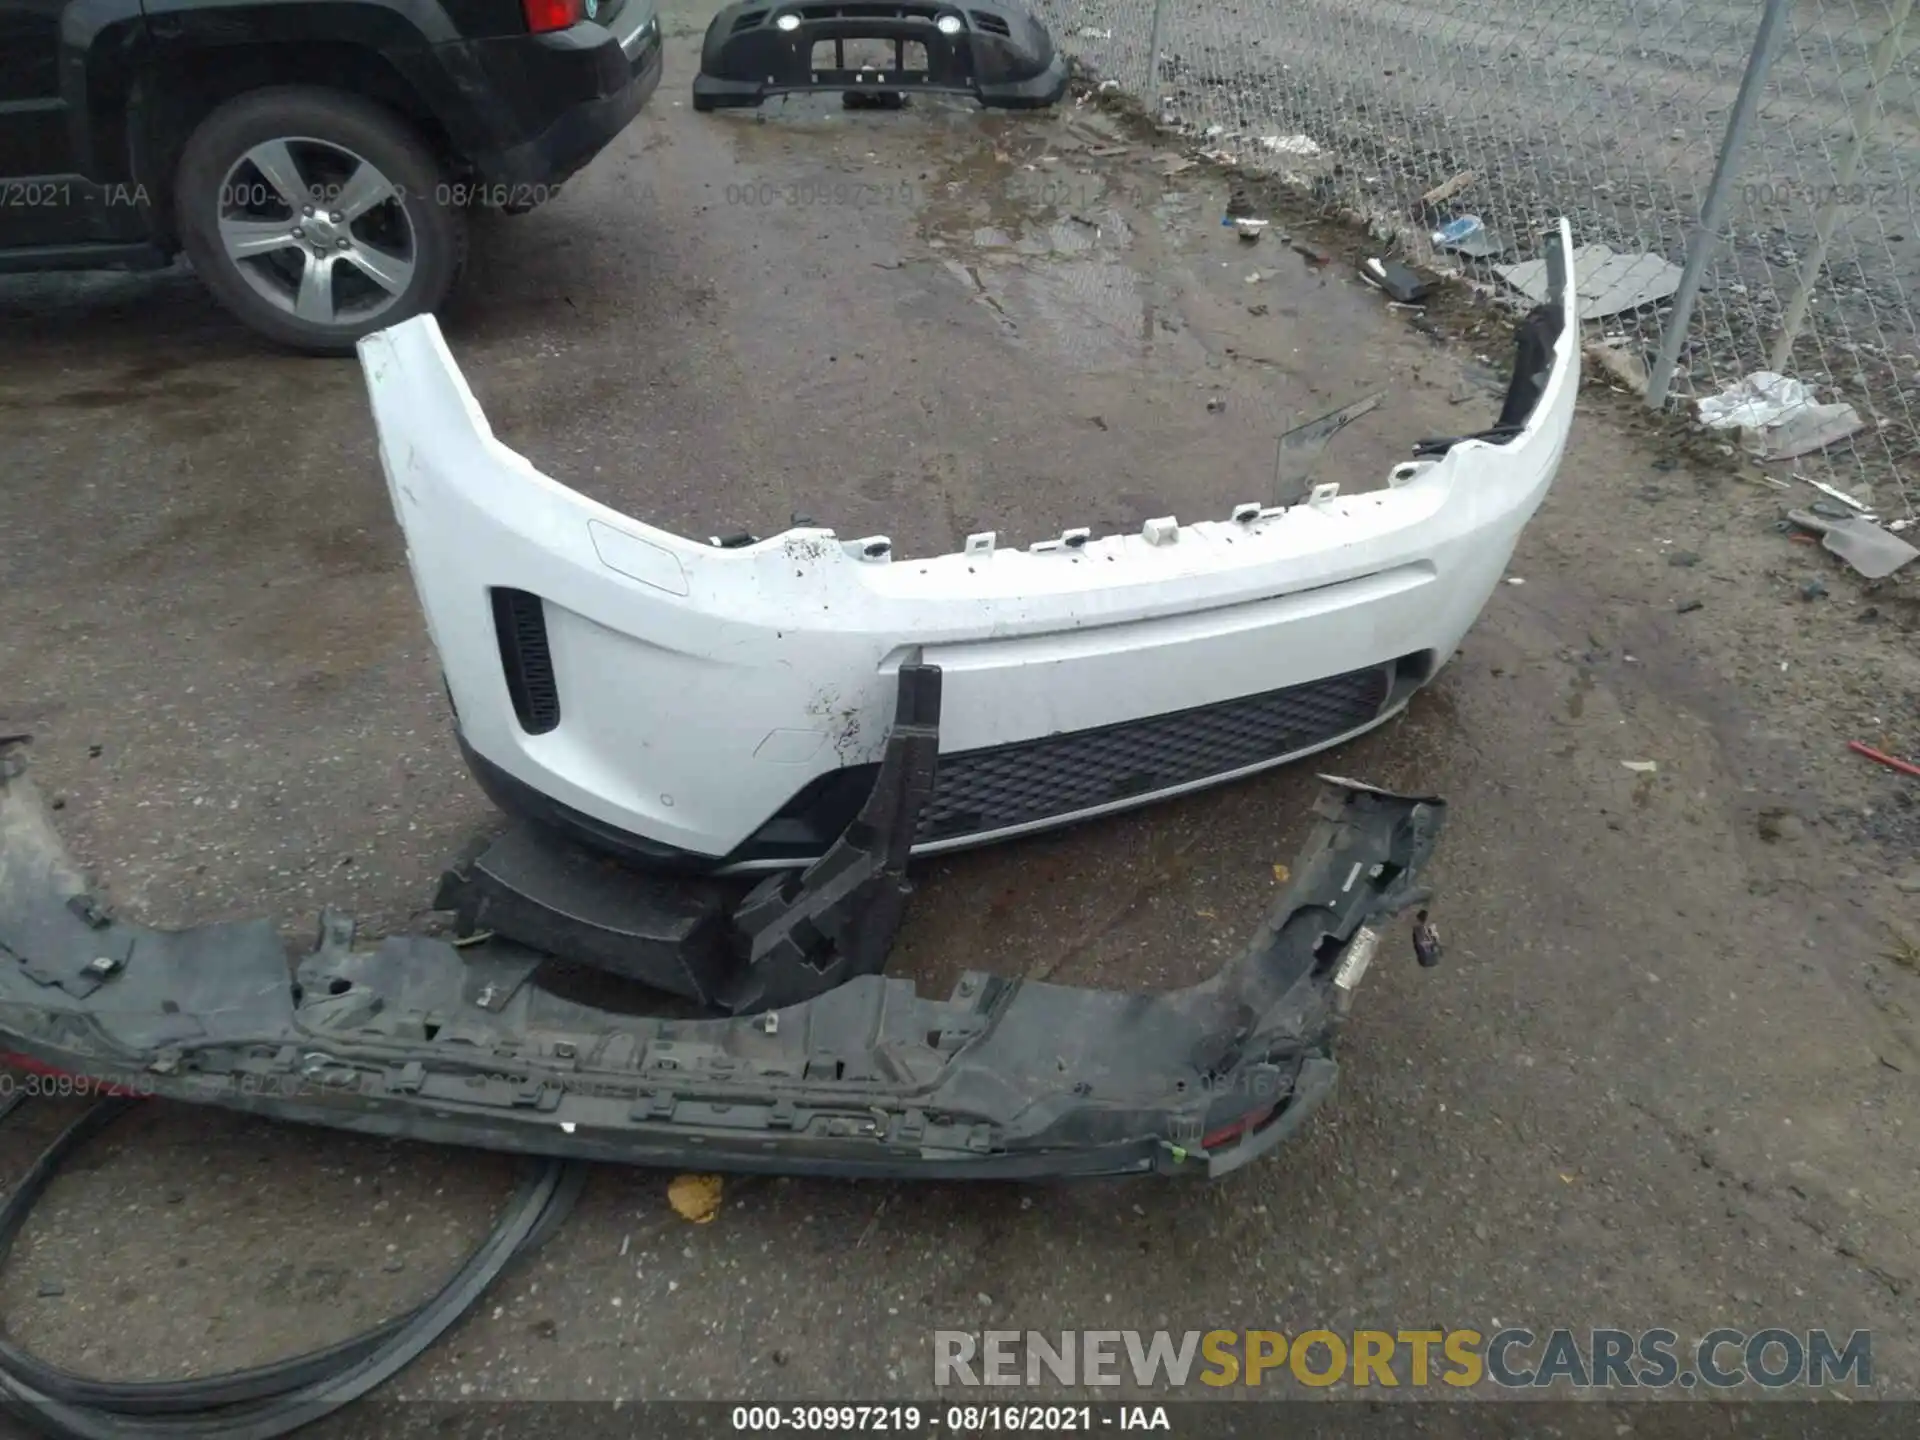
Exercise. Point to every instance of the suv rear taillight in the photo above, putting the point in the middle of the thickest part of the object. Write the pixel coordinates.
(545, 15)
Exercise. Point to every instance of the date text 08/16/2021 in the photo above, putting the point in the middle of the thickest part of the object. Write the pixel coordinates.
(952, 1419)
(447, 194)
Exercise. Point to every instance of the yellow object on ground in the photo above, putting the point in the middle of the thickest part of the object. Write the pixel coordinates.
(695, 1197)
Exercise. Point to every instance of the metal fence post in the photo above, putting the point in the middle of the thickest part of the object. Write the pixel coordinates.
(1773, 24)
(1153, 54)
(1866, 119)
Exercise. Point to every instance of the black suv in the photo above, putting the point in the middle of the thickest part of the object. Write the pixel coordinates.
(314, 159)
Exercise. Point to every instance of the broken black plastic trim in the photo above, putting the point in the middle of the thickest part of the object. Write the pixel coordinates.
(1005, 1078)
(795, 935)
(800, 936)
(536, 888)
(994, 51)
(1532, 368)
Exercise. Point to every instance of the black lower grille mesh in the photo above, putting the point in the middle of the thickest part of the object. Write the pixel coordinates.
(984, 790)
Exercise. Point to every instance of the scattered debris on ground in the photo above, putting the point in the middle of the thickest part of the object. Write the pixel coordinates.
(1468, 235)
(1892, 762)
(1803, 432)
(1619, 362)
(1870, 550)
(695, 1197)
(1400, 281)
(1607, 282)
(1777, 416)
(1301, 145)
(261, 1401)
(1842, 496)
(1444, 191)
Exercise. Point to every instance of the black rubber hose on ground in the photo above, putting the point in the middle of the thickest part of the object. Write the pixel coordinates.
(266, 1400)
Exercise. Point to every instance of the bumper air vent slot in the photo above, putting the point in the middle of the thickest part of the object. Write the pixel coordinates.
(520, 622)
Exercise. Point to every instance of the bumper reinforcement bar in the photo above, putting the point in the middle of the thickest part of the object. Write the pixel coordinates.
(1004, 1078)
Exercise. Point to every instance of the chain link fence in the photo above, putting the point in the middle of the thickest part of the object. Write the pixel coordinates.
(1613, 113)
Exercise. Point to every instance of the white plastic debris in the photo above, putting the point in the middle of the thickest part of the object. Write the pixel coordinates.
(1778, 416)
(1642, 767)
(1834, 493)
(1763, 398)
(1290, 144)
(1088, 32)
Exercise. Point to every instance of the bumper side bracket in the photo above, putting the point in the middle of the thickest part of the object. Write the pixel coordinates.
(794, 936)
(801, 937)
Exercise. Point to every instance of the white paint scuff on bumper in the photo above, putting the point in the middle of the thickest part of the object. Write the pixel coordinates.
(699, 689)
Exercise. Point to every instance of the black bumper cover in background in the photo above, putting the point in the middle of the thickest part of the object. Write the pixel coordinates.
(414, 1037)
(996, 52)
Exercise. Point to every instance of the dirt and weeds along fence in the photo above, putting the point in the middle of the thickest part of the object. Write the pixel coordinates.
(1763, 154)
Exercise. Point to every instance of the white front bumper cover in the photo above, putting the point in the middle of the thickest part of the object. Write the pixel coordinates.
(723, 708)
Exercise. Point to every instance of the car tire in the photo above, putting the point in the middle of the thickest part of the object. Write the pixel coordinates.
(325, 278)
